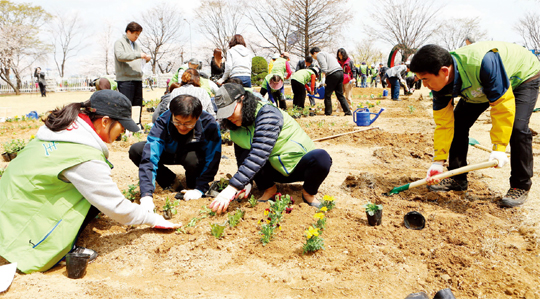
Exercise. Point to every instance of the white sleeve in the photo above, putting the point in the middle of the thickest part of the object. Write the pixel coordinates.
(93, 180)
(213, 87)
(208, 103)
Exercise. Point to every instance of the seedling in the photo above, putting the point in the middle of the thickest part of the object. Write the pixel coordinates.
(372, 208)
(313, 241)
(411, 109)
(217, 230)
(236, 217)
(169, 208)
(14, 146)
(273, 216)
(222, 184)
(253, 201)
(131, 192)
(147, 128)
(320, 123)
(321, 220)
(328, 202)
(206, 211)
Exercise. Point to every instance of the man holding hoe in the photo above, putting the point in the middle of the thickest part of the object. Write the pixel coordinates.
(503, 76)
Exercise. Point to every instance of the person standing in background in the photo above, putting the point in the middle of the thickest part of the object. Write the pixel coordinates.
(349, 73)
(304, 64)
(127, 65)
(238, 62)
(217, 65)
(333, 80)
(41, 81)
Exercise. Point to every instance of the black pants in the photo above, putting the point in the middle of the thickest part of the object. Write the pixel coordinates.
(334, 82)
(383, 80)
(278, 97)
(133, 90)
(42, 89)
(164, 176)
(299, 92)
(521, 159)
(312, 169)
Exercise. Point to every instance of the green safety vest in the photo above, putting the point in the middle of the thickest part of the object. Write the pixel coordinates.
(279, 67)
(519, 64)
(303, 76)
(175, 76)
(266, 82)
(292, 143)
(363, 69)
(206, 86)
(40, 215)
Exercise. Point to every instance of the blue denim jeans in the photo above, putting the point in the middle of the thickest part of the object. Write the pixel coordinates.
(394, 90)
(364, 81)
(246, 80)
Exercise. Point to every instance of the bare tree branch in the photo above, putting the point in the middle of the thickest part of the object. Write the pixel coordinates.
(456, 30)
(67, 33)
(528, 28)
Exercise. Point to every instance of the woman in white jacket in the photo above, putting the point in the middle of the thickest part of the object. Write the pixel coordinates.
(238, 63)
(62, 179)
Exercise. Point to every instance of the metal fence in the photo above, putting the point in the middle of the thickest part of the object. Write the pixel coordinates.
(80, 84)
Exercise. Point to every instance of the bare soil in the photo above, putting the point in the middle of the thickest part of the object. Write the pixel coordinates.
(469, 244)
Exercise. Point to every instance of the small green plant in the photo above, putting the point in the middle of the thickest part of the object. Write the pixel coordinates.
(217, 229)
(320, 124)
(274, 215)
(372, 208)
(169, 208)
(235, 217)
(131, 192)
(124, 137)
(147, 128)
(138, 135)
(206, 211)
(14, 146)
(411, 109)
(369, 104)
(307, 125)
(378, 102)
(222, 184)
(314, 241)
(306, 111)
(328, 202)
(253, 201)
(321, 220)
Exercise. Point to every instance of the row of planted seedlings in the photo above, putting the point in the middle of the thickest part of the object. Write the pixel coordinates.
(13, 147)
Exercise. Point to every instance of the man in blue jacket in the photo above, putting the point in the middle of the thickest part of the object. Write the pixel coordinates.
(184, 135)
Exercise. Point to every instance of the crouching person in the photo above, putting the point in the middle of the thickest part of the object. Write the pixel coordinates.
(269, 147)
(184, 135)
(62, 179)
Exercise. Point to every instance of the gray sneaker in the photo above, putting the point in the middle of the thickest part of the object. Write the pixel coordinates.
(514, 197)
(449, 184)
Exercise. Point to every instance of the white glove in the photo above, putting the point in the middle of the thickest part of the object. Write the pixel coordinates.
(244, 193)
(147, 203)
(164, 224)
(192, 194)
(221, 203)
(501, 157)
(435, 168)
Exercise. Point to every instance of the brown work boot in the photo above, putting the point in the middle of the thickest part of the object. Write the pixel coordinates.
(514, 197)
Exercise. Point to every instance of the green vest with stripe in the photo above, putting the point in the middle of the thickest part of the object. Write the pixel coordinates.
(266, 82)
(303, 76)
(292, 143)
(40, 215)
(279, 67)
(363, 69)
(519, 64)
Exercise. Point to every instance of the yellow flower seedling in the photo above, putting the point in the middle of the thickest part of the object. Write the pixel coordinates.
(324, 209)
(318, 216)
(328, 198)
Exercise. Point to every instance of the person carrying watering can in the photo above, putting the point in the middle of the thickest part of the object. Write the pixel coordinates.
(301, 81)
(500, 75)
(62, 179)
(270, 146)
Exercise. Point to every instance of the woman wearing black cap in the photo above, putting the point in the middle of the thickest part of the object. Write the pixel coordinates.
(269, 147)
(62, 179)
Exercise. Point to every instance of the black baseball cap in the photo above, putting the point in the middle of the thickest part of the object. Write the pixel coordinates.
(114, 105)
(226, 98)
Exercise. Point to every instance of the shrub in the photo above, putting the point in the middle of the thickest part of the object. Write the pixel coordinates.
(259, 70)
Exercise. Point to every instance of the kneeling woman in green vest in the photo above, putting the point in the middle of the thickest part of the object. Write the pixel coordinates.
(269, 147)
(61, 180)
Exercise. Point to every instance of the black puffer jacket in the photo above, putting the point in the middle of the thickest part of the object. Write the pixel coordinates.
(268, 125)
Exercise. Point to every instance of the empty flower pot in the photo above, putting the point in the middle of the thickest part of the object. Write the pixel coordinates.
(414, 220)
(76, 264)
(376, 219)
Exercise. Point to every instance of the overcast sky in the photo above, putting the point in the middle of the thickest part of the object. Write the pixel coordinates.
(497, 17)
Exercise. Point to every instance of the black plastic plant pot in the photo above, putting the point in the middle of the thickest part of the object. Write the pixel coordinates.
(213, 191)
(420, 295)
(6, 157)
(150, 109)
(167, 214)
(12, 155)
(414, 220)
(76, 264)
(376, 219)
